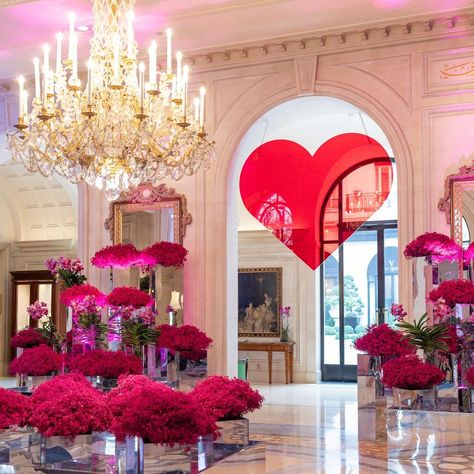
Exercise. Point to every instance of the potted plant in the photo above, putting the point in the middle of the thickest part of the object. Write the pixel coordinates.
(151, 419)
(414, 382)
(106, 365)
(178, 343)
(228, 400)
(36, 364)
(69, 413)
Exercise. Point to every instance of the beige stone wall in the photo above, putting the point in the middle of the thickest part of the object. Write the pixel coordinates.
(398, 74)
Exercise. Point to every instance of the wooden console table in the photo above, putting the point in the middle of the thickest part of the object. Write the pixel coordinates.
(270, 347)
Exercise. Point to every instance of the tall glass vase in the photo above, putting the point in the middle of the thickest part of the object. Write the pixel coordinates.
(114, 336)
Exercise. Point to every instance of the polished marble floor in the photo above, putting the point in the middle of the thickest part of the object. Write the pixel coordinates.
(318, 429)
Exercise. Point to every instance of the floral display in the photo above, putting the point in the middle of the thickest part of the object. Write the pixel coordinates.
(188, 340)
(116, 256)
(129, 296)
(67, 269)
(57, 385)
(430, 339)
(68, 409)
(138, 332)
(454, 292)
(285, 316)
(15, 409)
(383, 341)
(398, 312)
(41, 360)
(106, 364)
(157, 414)
(469, 252)
(439, 246)
(226, 398)
(78, 293)
(411, 373)
(166, 254)
(37, 310)
(26, 338)
(442, 312)
(469, 377)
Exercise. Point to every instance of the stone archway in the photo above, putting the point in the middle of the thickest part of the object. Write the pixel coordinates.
(236, 124)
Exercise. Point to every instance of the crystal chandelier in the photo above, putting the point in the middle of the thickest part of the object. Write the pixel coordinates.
(118, 130)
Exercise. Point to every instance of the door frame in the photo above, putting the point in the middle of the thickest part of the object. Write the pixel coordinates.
(342, 372)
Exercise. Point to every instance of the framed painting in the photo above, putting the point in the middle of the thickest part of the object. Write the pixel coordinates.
(259, 301)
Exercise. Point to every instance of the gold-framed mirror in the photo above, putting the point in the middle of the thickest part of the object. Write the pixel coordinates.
(142, 217)
(458, 204)
(147, 215)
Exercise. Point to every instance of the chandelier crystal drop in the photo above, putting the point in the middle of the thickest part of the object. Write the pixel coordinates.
(126, 125)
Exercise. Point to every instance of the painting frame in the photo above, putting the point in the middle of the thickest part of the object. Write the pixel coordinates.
(259, 299)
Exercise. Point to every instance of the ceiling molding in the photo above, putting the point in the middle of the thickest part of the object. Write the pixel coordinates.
(413, 30)
(407, 30)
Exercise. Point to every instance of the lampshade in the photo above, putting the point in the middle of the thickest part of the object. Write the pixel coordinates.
(175, 300)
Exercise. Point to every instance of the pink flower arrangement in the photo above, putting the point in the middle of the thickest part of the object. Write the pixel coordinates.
(15, 409)
(439, 246)
(166, 254)
(469, 377)
(69, 270)
(54, 387)
(383, 341)
(157, 414)
(411, 373)
(398, 311)
(69, 409)
(26, 338)
(187, 339)
(106, 364)
(226, 398)
(116, 256)
(41, 360)
(441, 311)
(37, 310)
(469, 252)
(78, 293)
(454, 292)
(129, 296)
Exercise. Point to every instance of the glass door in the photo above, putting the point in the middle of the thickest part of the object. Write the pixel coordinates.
(359, 284)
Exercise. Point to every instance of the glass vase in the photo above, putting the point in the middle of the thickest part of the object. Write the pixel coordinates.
(137, 457)
(233, 431)
(149, 358)
(169, 367)
(425, 400)
(114, 332)
(64, 450)
(370, 388)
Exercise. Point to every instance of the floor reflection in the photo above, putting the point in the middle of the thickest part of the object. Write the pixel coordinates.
(318, 429)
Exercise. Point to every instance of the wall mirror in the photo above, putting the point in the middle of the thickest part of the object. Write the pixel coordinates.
(142, 217)
(458, 204)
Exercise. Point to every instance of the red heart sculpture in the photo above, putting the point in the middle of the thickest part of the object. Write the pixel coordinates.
(286, 188)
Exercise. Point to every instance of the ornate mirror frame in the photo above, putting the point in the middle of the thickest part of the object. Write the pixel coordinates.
(147, 197)
(451, 202)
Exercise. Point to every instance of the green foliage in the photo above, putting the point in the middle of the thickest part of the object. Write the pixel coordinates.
(353, 304)
(93, 329)
(137, 334)
(360, 329)
(50, 332)
(330, 331)
(427, 338)
(348, 330)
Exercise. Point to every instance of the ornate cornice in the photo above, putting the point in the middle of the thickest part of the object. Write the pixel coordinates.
(410, 30)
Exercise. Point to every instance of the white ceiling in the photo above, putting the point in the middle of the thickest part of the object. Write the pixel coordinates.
(200, 24)
(33, 207)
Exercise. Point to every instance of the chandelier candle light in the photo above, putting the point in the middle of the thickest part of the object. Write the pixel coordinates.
(117, 130)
